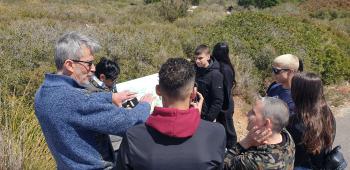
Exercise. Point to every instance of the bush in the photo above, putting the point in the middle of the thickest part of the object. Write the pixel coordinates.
(330, 14)
(24, 144)
(142, 38)
(263, 37)
(173, 9)
(258, 3)
(150, 1)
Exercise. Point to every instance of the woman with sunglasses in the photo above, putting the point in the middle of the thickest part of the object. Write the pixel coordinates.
(313, 125)
(284, 67)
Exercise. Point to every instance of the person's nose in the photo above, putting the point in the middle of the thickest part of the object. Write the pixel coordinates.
(93, 68)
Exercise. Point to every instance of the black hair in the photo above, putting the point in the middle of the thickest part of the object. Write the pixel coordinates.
(174, 75)
(107, 67)
(301, 65)
(201, 49)
(221, 54)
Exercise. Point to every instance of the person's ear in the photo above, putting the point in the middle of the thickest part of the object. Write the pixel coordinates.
(102, 77)
(208, 56)
(268, 123)
(158, 91)
(193, 93)
(68, 66)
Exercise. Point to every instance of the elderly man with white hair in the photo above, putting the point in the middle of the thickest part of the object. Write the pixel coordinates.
(76, 122)
(268, 145)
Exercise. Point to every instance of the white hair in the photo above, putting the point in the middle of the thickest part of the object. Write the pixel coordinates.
(276, 110)
(69, 46)
(288, 61)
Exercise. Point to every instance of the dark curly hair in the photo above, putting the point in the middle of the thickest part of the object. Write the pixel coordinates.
(107, 67)
(174, 77)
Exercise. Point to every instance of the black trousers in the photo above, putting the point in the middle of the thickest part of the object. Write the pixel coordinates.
(225, 118)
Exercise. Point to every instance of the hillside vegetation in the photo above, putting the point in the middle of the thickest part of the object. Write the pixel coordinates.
(141, 37)
(261, 37)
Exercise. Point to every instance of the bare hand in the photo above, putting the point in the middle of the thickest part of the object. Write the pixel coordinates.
(149, 98)
(256, 137)
(198, 105)
(119, 98)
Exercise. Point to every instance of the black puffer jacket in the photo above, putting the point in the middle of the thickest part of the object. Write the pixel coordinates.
(210, 85)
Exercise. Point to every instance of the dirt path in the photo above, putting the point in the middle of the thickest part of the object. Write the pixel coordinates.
(343, 127)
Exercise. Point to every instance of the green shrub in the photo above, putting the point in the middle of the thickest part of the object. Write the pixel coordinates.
(150, 1)
(195, 2)
(173, 9)
(258, 3)
(330, 14)
(263, 37)
(142, 38)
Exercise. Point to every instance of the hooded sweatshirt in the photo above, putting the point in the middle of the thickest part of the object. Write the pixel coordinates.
(173, 139)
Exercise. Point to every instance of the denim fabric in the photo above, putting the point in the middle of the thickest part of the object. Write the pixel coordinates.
(301, 168)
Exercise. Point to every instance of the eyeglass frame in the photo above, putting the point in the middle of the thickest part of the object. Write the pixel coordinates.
(90, 63)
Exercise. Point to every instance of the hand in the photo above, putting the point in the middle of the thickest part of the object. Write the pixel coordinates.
(149, 98)
(256, 137)
(198, 105)
(119, 98)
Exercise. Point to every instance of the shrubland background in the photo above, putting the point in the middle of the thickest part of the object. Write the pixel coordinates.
(142, 35)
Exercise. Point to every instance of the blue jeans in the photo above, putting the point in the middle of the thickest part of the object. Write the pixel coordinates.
(301, 168)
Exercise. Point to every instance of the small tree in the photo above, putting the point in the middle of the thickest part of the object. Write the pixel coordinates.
(195, 2)
(173, 9)
(246, 3)
(258, 3)
(150, 1)
(266, 3)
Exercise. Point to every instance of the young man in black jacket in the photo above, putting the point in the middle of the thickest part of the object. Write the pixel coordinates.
(174, 137)
(210, 83)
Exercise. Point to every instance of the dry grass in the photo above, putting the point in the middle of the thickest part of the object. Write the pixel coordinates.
(22, 143)
(314, 5)
(239, 118)
(337, 95)
(136, 34)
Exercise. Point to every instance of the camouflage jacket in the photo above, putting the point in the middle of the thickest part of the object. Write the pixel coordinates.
(277, 156)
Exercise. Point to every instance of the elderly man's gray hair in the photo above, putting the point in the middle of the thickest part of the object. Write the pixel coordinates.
(277, 111)
(69, 46)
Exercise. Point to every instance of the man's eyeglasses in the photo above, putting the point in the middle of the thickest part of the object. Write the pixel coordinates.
(90, 63)
(278, 70)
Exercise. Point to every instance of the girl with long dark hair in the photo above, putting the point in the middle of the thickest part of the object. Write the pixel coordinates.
(221, 54)
(313, 126)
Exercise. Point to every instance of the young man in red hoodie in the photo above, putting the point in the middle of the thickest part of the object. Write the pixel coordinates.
(174, 136)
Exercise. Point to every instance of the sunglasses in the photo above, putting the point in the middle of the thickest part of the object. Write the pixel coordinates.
(90, 63)
(278, 70)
